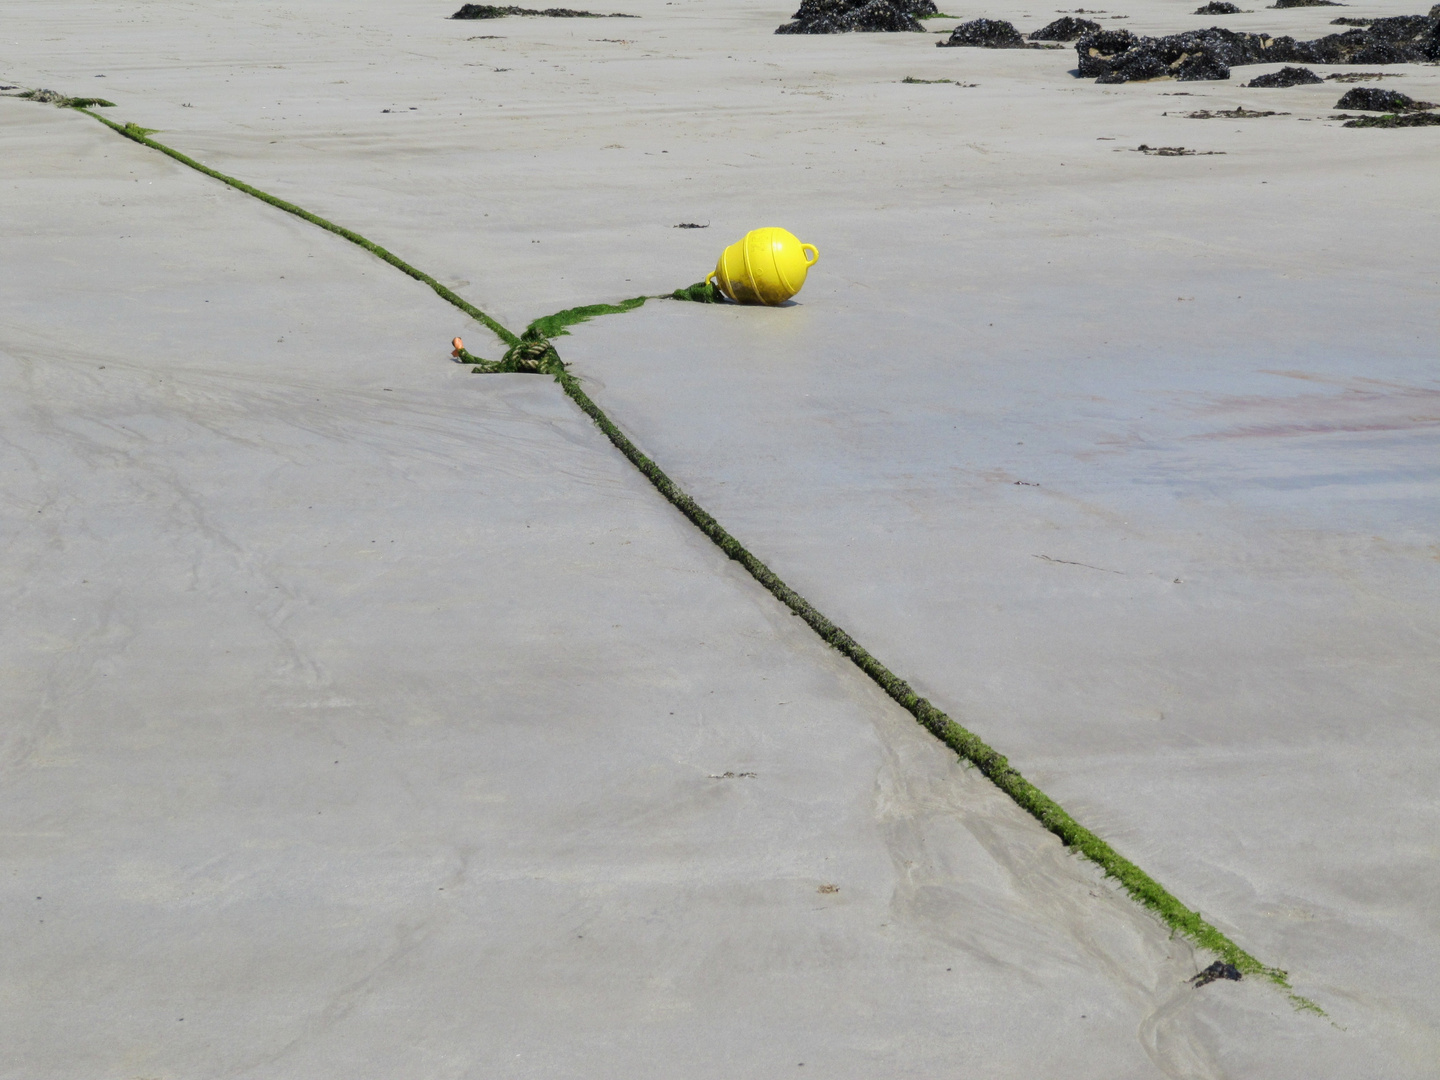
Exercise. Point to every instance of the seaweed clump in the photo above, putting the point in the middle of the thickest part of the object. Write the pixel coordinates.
(859, 16)
(1286, 76)
(1374, 99)
(1218, 970)
(1218, 7)
(1305, 3)
(984, 34)
(490, 11)
(1116, 56)
(702, 292)
(1240, 113)
(1396, 120)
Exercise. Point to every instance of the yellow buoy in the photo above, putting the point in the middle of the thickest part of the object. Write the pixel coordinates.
(767, 267)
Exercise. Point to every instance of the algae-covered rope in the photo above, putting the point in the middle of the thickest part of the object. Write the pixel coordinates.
(534, 352)
(1141, 887)
(142, 136)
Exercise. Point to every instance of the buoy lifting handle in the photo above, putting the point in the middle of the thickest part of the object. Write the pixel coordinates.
(812, 254)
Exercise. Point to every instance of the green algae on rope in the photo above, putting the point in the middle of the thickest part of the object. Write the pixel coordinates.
(553, 326)
(534, 353)
(142, 136)
(523, 358)
(1141, 887)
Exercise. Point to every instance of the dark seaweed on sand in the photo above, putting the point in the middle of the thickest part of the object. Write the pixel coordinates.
(862, 16)
(1218, 7)
(1117, 56)
(1414, 119)
(1218, 970)
(1176, 151)
(1363, 76)
(488, 11)
(1240, 113)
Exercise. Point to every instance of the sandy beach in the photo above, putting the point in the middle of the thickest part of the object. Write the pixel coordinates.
(369, 717)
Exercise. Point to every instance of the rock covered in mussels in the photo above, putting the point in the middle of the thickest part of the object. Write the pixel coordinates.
(984, 34)
(858, 16)
(1374, 99)
(1117, 56)
(1114, 56)
(1068, 28)
(1286, 76)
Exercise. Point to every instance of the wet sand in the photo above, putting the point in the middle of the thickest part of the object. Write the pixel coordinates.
(369, 717)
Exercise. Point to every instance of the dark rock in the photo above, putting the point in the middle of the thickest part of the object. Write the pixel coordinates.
(1286, 76)
(862, 16)
(984, 34)
(1374, 99)
(1346, 20)
(1115, 56)
(1217, 7)
(1067, 29)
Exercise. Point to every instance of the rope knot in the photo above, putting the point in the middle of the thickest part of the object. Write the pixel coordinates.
(537, 356)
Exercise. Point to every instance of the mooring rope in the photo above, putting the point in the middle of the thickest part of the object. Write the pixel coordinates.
(533, 352)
